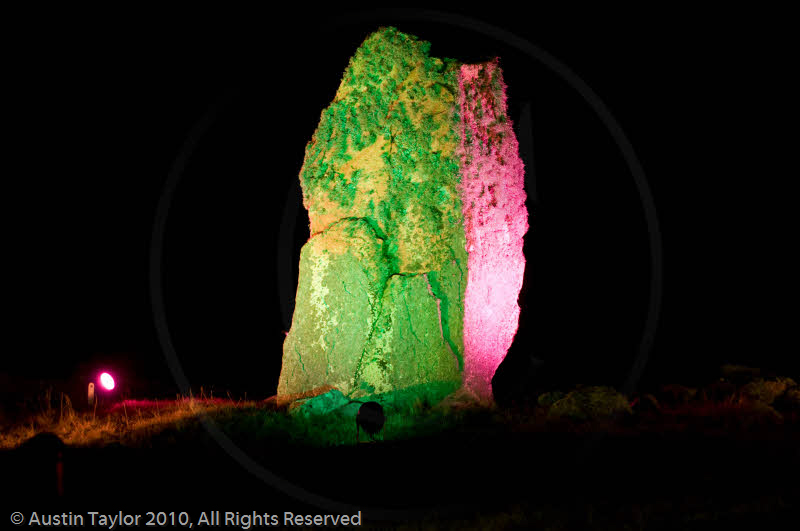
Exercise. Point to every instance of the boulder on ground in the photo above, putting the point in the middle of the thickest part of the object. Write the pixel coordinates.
(550, 398)
(789, 401)
(590, 403)
(739, 374)
(721, 391)
(757, 415)
(676, 395)
(766, 391)
(645, 404)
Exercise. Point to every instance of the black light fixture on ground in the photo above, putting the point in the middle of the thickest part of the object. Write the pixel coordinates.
(371, 419)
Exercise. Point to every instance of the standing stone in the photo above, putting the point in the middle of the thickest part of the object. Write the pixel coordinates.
(383, 293)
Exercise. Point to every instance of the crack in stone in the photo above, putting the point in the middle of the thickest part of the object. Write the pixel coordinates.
(408, 313)
(438, 305)
(300, 358)
(435, 288)
(330, 350)
(344, 287)
(371, 223)
(375, 319)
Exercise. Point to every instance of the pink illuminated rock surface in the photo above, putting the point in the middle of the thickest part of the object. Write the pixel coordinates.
(495, 221)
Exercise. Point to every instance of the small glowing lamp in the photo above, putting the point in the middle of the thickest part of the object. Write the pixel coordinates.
(107, 381)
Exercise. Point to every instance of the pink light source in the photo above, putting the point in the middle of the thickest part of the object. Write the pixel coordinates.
(107, 381)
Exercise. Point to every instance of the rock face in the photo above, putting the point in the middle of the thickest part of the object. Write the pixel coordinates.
(495, 220)
(412, 164)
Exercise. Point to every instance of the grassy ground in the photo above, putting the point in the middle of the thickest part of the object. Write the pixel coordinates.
(724, 454)
(134, 422)
(130, 422)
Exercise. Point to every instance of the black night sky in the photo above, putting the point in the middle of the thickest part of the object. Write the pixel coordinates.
(95, 121)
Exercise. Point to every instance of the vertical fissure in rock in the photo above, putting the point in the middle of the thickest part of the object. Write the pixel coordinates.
(432, 277)
(438, 304)
(300, 359)
(408, 316)
(376, 315)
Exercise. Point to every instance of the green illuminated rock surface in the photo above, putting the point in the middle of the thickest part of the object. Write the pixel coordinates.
(380, 299)
(384, 152)
(324, 404)
(342, 274)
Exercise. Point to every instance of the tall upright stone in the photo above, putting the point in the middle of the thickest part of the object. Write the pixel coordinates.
(391, 182)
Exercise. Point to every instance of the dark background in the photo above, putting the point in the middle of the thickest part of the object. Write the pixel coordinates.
(95, 120)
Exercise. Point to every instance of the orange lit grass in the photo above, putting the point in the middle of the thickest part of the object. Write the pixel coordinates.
(124, 421)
